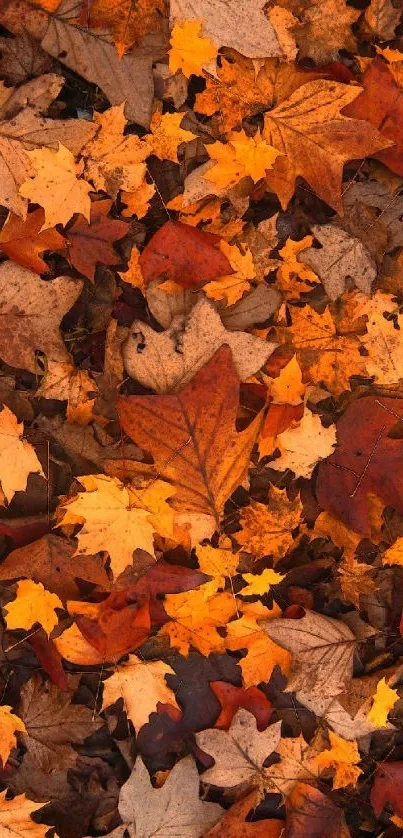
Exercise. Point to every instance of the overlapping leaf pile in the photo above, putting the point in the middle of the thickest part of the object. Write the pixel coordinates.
(201, 418)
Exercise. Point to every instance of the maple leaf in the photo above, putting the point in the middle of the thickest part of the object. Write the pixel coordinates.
(384, 700)
(304, 444)
(190, 50)
(293, 276)
(287, 388)
(216, 562)
(167, 135)
(343, 757)
(306, 805)
(51, 560)
(17, 457)
(242, 156)
(341, 257)
(325, 29)
(263, 655)
(382, 18)
(234, 820)
(297, 762)
(30, 313)
(66, 383)
(112, 520)
(316, 140)
(233, 287)
(15, 817)
(9, 724)
(240, 752)
(90, 243)
(25, 241)
(232, 698)
(260, 585)
(115, 161)
(209, 452)
(167, 361)
(154, 812)
(382, 340)
(266, 528)
(33, 604)
(57, 171)
(142, 686)
(195, 617)
(127, 24)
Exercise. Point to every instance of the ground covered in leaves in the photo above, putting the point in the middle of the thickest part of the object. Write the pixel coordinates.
(201, 418)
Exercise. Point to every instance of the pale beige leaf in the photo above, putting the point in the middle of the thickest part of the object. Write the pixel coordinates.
(340, 258)
(304, 445)
(142, 685)
(166, 361)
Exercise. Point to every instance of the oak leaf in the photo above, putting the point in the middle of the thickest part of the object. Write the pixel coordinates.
(190, 50)
(33, 604)
(142, 686)
(9, 724)
(266, 528)
(316, 140)
(384, 700)
(210, 456)
(30, 314)
(56, 172)
(240, 752)
(167, 361)
(15, 817)
(17, 457)
(114, 160)
(25, 241)
(152, 813)
(91, 242)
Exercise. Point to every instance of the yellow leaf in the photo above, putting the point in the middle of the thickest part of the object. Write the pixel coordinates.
(262, 653)
(394, 554)
(266, 528)
(112, 519)
(15, 818)
(138, 200)
(293, 276)
(242, 156)
(303, 445)
(343, 756)
(195, 617)
(33, 604)
(142, 685)
(133, 275)
(9, 723)
(66, 383)
(190, 51)
(233, 287)
(217, 563)
(115, 161)
(167, 135)
(17, 456)
(260, 584)
(287, 388)
(384, 699)
(57, 185)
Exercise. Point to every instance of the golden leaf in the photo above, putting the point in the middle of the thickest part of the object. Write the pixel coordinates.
(33, 604)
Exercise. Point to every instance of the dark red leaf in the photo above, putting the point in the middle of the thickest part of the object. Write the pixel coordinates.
(184, 254)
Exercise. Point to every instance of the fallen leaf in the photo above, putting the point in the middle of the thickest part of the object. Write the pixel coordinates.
(167, 361)
(57, 171)
(232, 698)
(217, 563)
(316, 140)
(262, 654)
(24, 241)
(17, 457)
(343, 757)
(384, 700)
(190, 50)
(214, 470)
(15, 817)
(382, 340)
(297, 762)
(234, 825)
(266, 528)
(325, 29)
(382, 18)
(167, 135)
(242, 156)
(90, 243)
(127, 25)
(341, 257)
(260, 585)
(30, 314)
(152, 811)
(303, 445)
(387, 787)
(184, 254)
(32, 604)
(115, 160)
(308, 808)
(240, 752)
(195, 616)
(142, 685)
(9, 725)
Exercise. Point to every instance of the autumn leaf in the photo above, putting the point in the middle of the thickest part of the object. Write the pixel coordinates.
(298, 451)
(216, 469)
(15, 817)
(186, 255)
(33, 604)
(195, 617)
(343, 757)
(90, 243)
(190, 50)
(9, 725)
(260, 584)
(316, 140)
(25, 241)
(266, 528)
(114, 160)
(243, 156)
(17, 457)
(57, 171)
(384, 700)
(263, 655)
(167, 135)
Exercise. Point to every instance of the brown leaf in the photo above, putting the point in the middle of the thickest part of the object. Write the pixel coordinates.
(205, 459)
(90, 243)
(311, 813)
